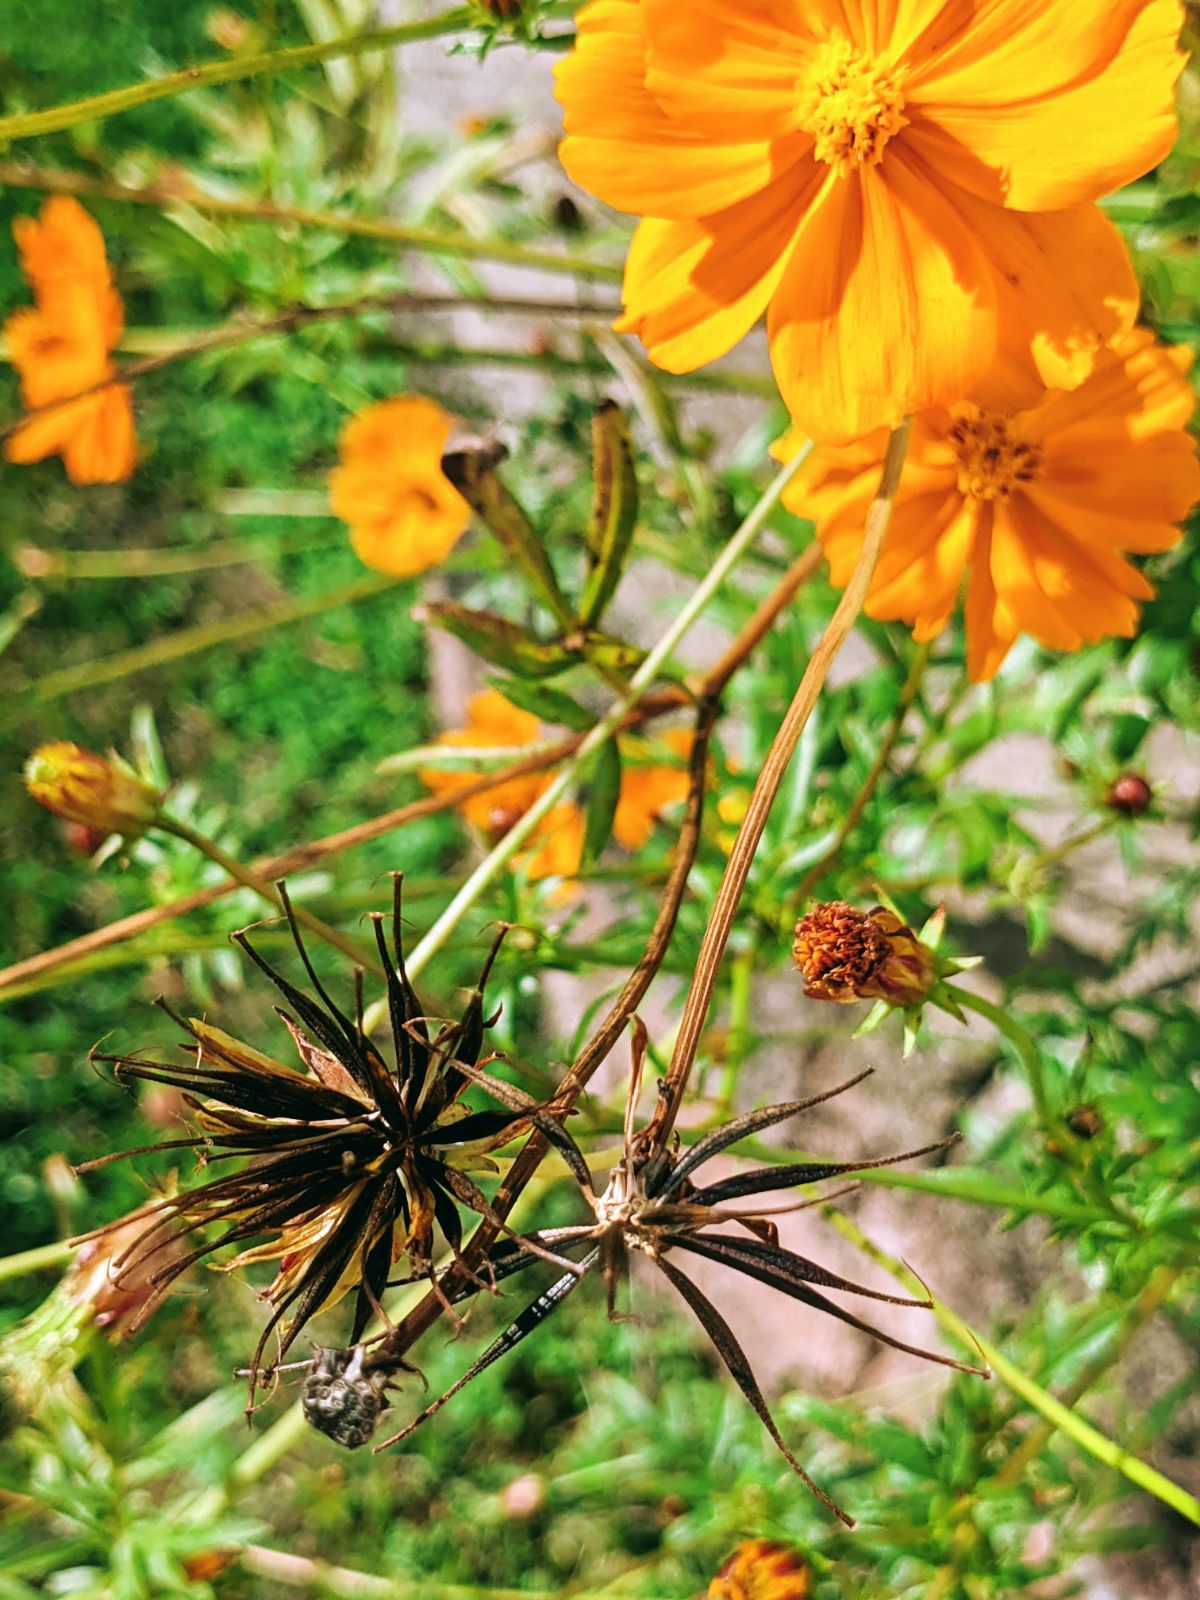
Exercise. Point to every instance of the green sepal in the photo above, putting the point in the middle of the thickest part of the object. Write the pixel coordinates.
(614, 510)
(502, 643)
(473, 474)
(603, 650)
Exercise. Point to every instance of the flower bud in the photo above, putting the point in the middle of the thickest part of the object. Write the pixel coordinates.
(761, 1569)
(119, 1295)
(501, 10)
(846, 955)
(1129, 794)
(100, 792)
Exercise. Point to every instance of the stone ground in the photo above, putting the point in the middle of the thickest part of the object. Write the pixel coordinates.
(966, 1256)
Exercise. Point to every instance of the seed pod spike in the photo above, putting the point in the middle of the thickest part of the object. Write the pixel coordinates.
(534, 1314)
(731, 1353)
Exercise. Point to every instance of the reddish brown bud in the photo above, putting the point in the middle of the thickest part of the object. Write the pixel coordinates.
(1129, 794)
(760, 1569)
(98, 792)
(1086, 1122)
(846, 955)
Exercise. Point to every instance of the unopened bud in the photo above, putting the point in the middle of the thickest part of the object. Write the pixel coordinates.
(501, 10)
(99, 792)
(120, 1295)
(761, 1569)
(1129, 794)
(847, 955)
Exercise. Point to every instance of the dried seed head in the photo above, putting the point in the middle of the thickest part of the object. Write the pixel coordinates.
(846, 955)
(100, 792)
(340, 1399)
(760, 1569)
(1129, 794)
(839, 951)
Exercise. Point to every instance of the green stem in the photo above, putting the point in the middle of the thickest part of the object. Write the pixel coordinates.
(234, 868)
(1061, 1417)
(438, 242)
(189, 641)
(28, 124)
(1158, 1286)
(737, 1044)
(1022, 1042)
(497, 859)
(36, 1260)
(66, 565)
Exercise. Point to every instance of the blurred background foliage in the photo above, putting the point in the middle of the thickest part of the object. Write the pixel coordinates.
(599, 1458)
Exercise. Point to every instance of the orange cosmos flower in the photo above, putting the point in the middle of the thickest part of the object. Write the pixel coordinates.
(904, 186)
(555, 848)
(1034, 507)
(404, 514)
(647, 789)
(61, 347)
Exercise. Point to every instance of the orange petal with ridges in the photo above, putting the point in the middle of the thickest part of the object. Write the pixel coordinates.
(886, 307)
(693, 289)
(1064, 287)
(991, 134)
(727, 69)
(622, 147)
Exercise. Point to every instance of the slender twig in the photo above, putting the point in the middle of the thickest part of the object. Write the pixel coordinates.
(1157, 1287)
(1061, 1417)
(594, 1053)
(298, 859)
(266, 890)
(737, 868)
(1022, 1042)
(280, 1566)
(41, 565)
(35, 1260)
(240, 330)
(500, 855)
(28, 124)
(183, 192)
(858, 805)
(190, 641)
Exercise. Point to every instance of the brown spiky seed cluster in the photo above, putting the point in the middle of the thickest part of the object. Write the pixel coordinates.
(839, 951)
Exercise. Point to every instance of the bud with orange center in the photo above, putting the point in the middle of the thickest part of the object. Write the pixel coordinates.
(761, 1569)
(846, 955)
(99, 792)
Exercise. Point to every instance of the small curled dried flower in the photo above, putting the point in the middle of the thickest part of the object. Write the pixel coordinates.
(846, 955)
(97, 792)
(762, 1569)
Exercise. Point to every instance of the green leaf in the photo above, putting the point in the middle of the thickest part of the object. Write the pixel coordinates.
(614, 510)
(497, 640)
(551, 705)
(602, 801)
(472, 472)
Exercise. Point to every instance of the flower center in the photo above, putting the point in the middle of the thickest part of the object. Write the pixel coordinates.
(991, 463)
(851, 105)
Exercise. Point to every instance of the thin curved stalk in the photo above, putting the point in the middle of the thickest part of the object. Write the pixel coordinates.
(779, 756)
(29, 124)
